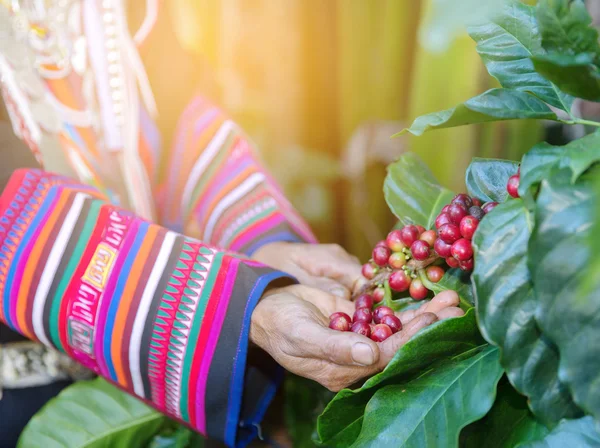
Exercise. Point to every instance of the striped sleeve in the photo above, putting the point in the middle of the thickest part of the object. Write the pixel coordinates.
(216, 189)
(161, 315)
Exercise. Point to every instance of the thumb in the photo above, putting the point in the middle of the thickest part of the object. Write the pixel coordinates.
(347, 349)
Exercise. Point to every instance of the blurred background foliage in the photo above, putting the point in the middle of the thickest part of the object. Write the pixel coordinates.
(321, 86)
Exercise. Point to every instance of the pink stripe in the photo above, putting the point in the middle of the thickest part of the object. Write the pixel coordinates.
(211, 345)
(250, 235)
(106, 297)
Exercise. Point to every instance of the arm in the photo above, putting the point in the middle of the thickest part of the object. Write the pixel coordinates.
(163, 316)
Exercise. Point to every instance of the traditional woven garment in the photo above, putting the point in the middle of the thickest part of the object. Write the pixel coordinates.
(93, 258)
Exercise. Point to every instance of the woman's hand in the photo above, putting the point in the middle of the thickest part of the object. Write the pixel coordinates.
(291, 324)
(327, 267)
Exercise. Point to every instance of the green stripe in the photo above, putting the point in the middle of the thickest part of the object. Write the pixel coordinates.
(83, 240)
(195, 331)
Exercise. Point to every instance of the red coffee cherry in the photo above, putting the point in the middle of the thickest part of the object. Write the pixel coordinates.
(434, 273)
(399, 281)
(393, 322)
(462, 250)
(364, 301)
(417, 290)
(381, 332)
(361, 328)
(381, 311)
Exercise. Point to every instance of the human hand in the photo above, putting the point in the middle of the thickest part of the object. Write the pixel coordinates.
(291, 324)
(327, 267)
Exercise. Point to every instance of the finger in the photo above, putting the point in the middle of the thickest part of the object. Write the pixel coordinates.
(331, 286)
(441, 301)
(448, 313)
(325, 302)
(390, 346)
(348, 349)
(333, 262)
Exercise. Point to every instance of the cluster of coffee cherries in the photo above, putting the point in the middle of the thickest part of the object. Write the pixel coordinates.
(393, 255)
(456, 224)
(378, 324)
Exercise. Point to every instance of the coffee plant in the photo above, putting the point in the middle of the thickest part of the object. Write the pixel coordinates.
(520, 247)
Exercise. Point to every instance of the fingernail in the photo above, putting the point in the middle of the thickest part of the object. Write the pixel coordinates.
(340, 292)
(362, 354)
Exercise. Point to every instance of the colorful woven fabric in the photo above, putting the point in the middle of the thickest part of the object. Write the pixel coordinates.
(163, 316)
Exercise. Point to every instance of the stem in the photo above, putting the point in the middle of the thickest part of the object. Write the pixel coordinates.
(581, 121)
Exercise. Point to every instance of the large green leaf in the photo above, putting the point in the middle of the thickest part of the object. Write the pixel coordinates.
(413, 193)
(506, 43)
(506, 305)
(543, 158)
(92, 414)
(560, 252)
(486, 178)
(573, 74)
(508, 424)
(430, 410)
(580, 433)
(493, 105)
(341, 422)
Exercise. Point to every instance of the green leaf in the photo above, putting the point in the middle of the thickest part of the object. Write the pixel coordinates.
(486, 178)
(506, 43)
(455, 280)
(580, 433)
(181, 437)
(543, 158)
(493, 105)
(559, 255)
(573, 74)
(430, 410)
(508, 424)
(506, 305)
(92, 414)
(341, 422)
(412, 192)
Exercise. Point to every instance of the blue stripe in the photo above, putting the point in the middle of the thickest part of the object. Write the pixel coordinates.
(116, 297)
(40, 215)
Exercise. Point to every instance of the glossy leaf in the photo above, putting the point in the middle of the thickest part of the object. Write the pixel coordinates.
(486, 178)
(429, 411)
(92, 414)
(506, 305)
(341, 422)
(455, 280)
(181, 437)
(413, 193)
(580, 433)
(508, 424)
(573, 74)
(493, 105)
(559, 255)
(506, 43)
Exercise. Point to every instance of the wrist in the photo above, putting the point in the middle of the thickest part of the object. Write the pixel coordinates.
(269, 252)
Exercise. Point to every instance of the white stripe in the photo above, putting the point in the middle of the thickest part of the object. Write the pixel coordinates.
(142, 312)
(245, 187)
(56, 254)
(207, 155)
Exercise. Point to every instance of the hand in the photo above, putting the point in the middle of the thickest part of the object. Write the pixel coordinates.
(291, 324)
(327, 267)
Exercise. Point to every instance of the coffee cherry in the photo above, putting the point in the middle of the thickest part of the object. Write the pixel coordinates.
(466, 265)
(442, 248)
(421, 229)
(429, 236)
(417, 290)
(381, 255)
(397, 260)
(443, 218)
(378, 294)
(399, 281)
(477, 212)
(409, 234)
(449, 233)
(434, 273)
(394, 241)
(361, 328)
(369, 271)
(489, 206)
(381, 332)
(513, 186)
(462, 249)
(420, 250)
(339, 322)
(445, 209)
(452, 262)
(382, 243)
(476, 202)
(463, 199)
(364, 301)
(393, 322)
(468, 225)
(457, 212)
(362, 315)
(381, 311)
